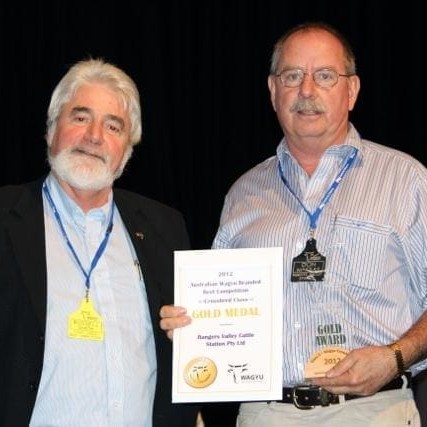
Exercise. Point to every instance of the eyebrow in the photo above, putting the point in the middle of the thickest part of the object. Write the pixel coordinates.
(80, 110)
(322, 67)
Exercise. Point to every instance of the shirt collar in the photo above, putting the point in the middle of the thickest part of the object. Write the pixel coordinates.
(71, 212)
(341, 150)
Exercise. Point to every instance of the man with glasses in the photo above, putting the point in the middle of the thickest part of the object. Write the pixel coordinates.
(351, 216)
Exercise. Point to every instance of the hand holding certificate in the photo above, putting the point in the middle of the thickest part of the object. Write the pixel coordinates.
(232, 350)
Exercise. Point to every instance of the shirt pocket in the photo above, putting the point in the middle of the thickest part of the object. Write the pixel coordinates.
(358, 252)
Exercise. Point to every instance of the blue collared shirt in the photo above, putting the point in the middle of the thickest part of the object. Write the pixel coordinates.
(86, 382)
(373, 233)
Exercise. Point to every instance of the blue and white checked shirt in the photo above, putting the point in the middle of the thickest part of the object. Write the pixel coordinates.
(107, 383)
(373, 233)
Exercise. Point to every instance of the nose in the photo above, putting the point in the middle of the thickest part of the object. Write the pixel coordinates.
(94, 133)
(307, 86)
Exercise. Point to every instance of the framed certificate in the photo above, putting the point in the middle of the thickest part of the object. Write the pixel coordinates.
(232, 350)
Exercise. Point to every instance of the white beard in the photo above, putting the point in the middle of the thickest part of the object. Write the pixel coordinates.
(86, 172)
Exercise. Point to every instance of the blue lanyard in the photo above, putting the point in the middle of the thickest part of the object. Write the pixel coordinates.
(100, 249)
(325, 199)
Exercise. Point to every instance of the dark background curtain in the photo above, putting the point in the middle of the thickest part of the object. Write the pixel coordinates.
(201, 67)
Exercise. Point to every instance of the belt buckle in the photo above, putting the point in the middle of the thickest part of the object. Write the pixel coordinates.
(295, 396)
(324, 396)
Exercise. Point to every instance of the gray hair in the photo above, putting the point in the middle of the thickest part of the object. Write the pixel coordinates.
(349, 57)
(96, 71)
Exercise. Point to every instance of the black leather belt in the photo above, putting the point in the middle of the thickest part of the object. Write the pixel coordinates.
(309, 396)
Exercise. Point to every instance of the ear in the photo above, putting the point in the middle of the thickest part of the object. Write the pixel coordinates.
(50, 131)
(353, 91)
(272, 87)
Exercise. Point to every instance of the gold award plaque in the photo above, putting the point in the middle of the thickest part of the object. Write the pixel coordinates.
(200, 372)
(323, 360)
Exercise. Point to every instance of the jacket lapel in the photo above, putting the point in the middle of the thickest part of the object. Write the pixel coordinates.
(144, 239)
(27, 235)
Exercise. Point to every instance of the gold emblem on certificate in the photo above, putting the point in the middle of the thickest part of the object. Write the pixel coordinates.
(86, 323)
(323, 360)
(200, 372)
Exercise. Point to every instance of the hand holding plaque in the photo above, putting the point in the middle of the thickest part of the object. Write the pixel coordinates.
(323, 360)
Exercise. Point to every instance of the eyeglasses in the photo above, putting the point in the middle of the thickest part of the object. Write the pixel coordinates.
(324, 78)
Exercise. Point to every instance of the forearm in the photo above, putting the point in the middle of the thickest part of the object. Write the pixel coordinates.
(413, 343)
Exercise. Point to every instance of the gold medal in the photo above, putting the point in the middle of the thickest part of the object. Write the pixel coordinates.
(200, 372)
(85, 323)
(323, 360)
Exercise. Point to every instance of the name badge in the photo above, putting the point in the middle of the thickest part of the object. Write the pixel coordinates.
(309, 266)
(85, 323)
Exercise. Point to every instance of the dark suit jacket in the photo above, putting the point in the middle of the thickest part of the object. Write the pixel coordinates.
(156, 231)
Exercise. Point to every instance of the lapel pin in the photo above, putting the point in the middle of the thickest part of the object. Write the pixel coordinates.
(139, 235)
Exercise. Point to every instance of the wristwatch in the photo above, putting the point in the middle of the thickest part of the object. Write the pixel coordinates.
(398, 356)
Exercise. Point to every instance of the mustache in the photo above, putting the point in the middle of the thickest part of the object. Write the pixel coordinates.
(307, 106)
(88, 153)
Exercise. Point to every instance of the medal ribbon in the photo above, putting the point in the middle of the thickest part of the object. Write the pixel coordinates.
(325, 199)
(100, 249)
